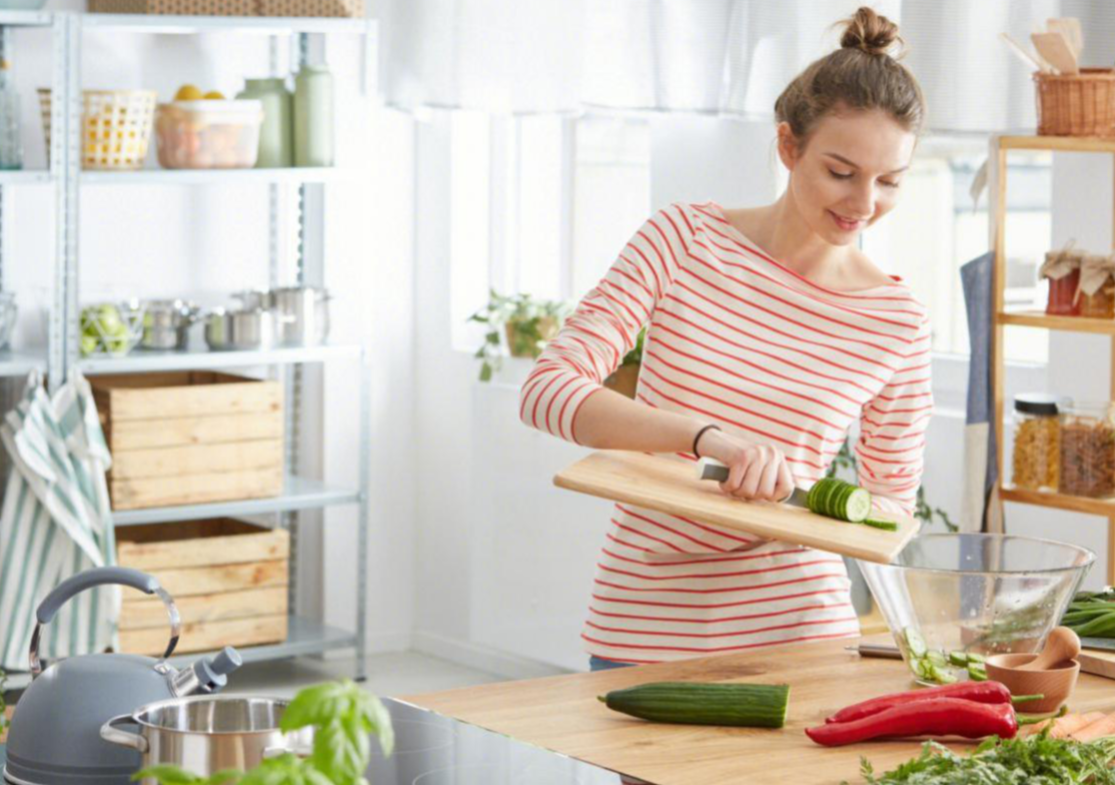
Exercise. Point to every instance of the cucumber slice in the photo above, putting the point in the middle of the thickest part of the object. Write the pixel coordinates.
(857, 506)
(941, 675)
(937, 657)
(958, 658)
(881, 523)
(979, 659)
(976, 672)
(914, 642)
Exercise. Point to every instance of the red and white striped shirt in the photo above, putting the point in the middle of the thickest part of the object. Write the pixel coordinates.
(737, 339)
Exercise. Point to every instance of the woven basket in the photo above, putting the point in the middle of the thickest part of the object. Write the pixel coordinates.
(1078, 105)
(115, 127)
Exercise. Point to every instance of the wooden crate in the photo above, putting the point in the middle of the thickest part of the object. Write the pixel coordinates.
(228, 578)
(185, 7)
(191, 437)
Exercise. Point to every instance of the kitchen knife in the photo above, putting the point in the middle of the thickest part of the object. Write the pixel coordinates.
(712, 469)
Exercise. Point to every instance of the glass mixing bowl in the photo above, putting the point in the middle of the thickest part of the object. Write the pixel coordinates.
(951, 599)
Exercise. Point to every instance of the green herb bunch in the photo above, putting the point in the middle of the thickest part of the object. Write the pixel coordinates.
(343, 717)
(1092, 614)
(1035, 760)
(530, 319)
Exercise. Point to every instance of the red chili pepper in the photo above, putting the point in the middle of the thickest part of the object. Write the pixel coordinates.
(978, 691)
(934, 717)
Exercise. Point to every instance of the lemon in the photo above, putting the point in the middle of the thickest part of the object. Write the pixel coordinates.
(214, 95)
(188, 92)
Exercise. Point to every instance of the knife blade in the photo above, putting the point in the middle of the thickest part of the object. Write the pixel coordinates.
(712, 469)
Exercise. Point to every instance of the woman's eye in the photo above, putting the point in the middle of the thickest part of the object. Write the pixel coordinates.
(889, 184)
(841, 175)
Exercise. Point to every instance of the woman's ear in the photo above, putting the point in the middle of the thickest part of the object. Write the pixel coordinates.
(787, 146)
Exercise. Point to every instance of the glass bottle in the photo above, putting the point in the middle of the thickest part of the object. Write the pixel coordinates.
(313, 116)
(11, 146)
(276, 135)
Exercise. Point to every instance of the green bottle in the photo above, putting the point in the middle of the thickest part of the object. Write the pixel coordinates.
(313, 116)
(276, 135)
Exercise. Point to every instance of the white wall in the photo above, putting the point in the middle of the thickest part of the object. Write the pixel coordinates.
(204, 242)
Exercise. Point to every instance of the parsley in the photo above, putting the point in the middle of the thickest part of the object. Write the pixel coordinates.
(343, 716)
(1035, 760)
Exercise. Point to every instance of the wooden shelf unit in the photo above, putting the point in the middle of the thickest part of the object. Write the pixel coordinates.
(1004, 318)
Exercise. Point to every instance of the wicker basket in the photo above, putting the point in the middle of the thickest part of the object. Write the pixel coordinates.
(1078, 105)
(115, 127)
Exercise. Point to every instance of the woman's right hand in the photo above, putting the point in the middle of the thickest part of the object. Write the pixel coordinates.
(755, 471)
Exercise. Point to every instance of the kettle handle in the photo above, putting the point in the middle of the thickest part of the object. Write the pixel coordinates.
(113, 735)
(100, 576)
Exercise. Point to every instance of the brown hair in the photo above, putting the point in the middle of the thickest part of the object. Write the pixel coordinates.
(861, 75)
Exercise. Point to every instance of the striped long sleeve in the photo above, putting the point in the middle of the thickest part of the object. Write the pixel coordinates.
(594, 340)
(891, 444)
(736, 338)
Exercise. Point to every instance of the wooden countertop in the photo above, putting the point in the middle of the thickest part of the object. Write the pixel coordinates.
(561, 713)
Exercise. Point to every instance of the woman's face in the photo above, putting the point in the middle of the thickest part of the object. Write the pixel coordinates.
(849, 175)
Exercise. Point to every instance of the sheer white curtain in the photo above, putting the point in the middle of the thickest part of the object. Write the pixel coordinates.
(712, 56)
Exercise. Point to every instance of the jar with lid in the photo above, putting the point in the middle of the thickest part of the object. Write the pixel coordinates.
(276, 135)
(313, 116)
(1062, 269)
(1088, 450)
(1036, 458)
(1097, 286)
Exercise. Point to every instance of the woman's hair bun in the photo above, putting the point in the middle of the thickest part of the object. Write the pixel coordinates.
(870, 32)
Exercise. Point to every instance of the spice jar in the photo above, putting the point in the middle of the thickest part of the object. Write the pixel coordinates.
(1097, 287)
(1036, 462)
(1062, 268)
(1088, 450)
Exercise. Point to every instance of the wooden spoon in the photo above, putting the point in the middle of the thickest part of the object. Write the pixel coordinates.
(1062, 645)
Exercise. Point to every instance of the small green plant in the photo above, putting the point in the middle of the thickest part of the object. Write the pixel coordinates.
(845, 461)
(526, 323)
(343, 717)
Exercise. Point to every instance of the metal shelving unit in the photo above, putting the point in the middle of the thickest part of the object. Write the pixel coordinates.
(61, 357)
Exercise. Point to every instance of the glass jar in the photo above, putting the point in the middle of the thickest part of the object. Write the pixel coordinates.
(313, 116)
(1088, 450)
(276, 135)
(1062, 268)
(1096, 274)
(11, 146)
(1036, 463)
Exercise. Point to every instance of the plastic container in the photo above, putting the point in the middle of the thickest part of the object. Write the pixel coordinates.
(1036, 463)
(1088, 450)
(974, 593)
(313, 116)
(276, 136)
(115, 127)
(208, 134)
(1062, 269)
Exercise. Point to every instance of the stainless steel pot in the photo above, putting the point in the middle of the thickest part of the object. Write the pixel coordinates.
(239, 329)
(303, 312)
(166, 323)
(206, 734)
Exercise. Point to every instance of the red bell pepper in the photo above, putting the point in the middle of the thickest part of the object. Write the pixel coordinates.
(933, 717)
(978, 691)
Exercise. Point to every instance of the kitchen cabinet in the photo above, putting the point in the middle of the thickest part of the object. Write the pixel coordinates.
(1001, 147)
(304, 186)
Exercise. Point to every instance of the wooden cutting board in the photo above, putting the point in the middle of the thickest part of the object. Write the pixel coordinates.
(671, 486)
(1097, 662)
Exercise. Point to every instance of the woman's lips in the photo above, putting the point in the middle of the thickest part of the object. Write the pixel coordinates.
(846, 224)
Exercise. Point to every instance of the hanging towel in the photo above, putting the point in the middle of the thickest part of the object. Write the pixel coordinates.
(981, 473)
(55, 521)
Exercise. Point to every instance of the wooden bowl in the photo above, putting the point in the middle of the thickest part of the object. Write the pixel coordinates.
(1056, 684)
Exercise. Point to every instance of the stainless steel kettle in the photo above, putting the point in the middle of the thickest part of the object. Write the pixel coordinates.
(55, 736)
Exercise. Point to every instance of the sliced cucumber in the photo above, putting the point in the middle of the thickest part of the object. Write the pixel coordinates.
(881, 523)
(937, 657)
(914, 642)
(976, 672)
(958, 658)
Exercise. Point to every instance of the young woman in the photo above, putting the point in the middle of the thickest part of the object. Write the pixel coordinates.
(769, 334)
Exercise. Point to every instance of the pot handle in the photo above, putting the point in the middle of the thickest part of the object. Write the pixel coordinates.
(301, 750)
(100, 576)
(113, 735)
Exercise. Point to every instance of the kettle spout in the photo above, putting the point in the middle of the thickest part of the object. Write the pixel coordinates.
(208, 674)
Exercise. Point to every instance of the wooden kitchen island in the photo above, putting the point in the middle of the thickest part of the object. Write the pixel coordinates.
(562, 714)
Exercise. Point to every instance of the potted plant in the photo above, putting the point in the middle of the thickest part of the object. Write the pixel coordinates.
(625, 378)
(524, 322)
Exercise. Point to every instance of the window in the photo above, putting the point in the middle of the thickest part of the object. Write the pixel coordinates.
(934, 230)
(541, 204)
